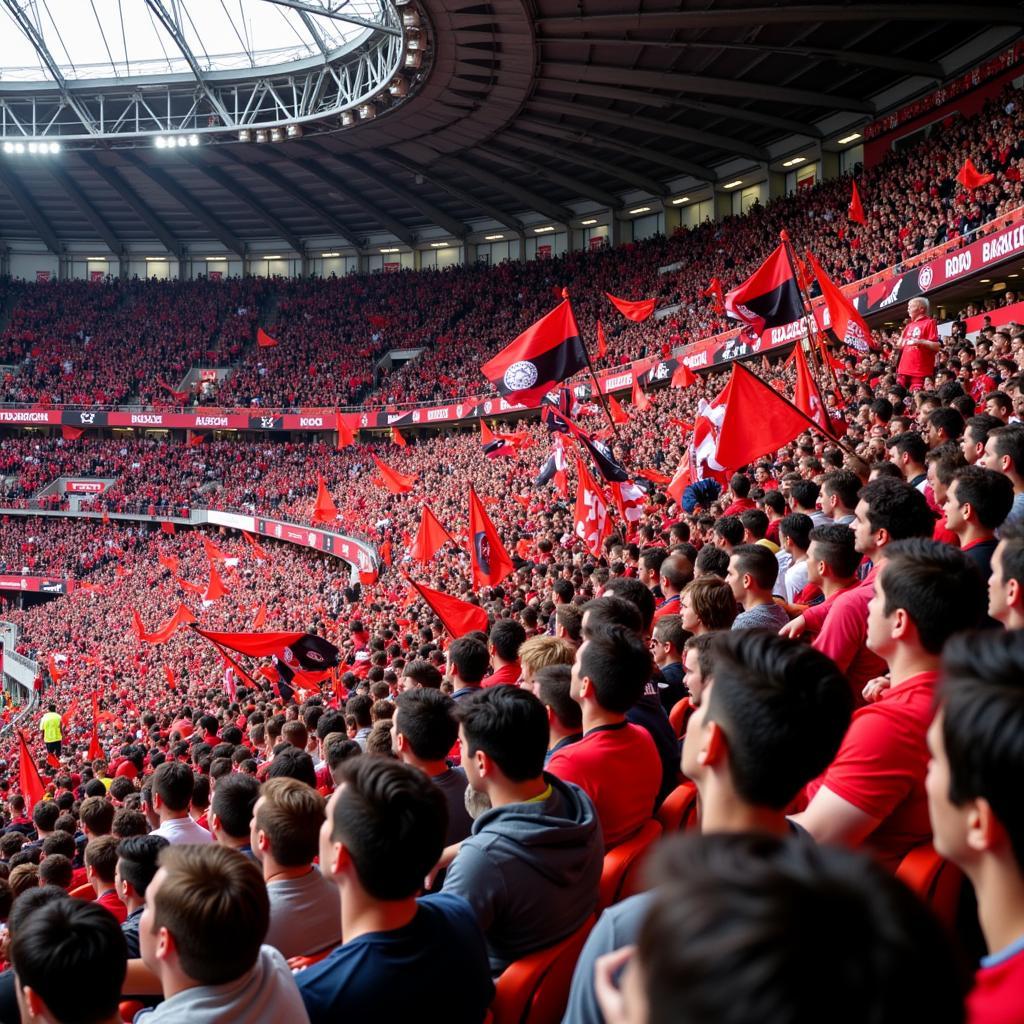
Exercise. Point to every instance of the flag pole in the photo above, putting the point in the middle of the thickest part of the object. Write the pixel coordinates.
(590, 367)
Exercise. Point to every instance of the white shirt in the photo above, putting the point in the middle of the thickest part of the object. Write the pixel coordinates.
(182, 831)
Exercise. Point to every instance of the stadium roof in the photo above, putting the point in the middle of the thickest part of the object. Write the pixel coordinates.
(515, 113)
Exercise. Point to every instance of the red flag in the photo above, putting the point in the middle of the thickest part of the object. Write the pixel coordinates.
(55, 674)
(844, 320)
(602, 340)
(592, 524)
(490, 561)
(368, 578)
(163, 633)
(430, 537)
(196, 440)
(258, 552)
(256, 645)
(169, 676)
(856, 211)
(385, 552)
(95, 750)
(654, 476)
(635, 311)
(260, 619)
(395, 482)
(213, 553)
(65, 719)
(192, 588)
(324, 511)
(457, 616)
(545, 354)
(264, 340)
(53, 761)
(105, 518)
(807, 397)
(640, 400)
(167, 527)
(215, 589)
(377, 321)
(683, 377)
(714, 292)
(345, 435)
(756, 421)
(29, 780)
(618, 413)
(398, 438)
(971, 178)
(72, 433)
(170, 562)
(769, 297)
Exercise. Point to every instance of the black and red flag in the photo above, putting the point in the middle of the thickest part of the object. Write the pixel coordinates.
(544, 355)
(768, 298)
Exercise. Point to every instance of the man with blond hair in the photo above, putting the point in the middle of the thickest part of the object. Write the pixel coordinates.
(539, 652)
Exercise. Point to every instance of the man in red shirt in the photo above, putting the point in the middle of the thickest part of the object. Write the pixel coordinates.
(739, 486)
(100, 868)
(873, 792)
(975, 807)
(503, 644)
(917, 345)
(616, 764)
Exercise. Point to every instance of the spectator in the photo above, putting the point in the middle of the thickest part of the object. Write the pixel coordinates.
(707, 604)
(172, 796)
(667, 640)
(1004, 452)
(231, 811)
(676, 574)
(100, 866)
(467, 665)
(1005, 585)
(977, 502)
(137, 859)
(565, 717)
(503, 643)
(752, 574)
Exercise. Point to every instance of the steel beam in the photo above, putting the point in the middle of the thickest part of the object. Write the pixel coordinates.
(85, 206)
(27, 205)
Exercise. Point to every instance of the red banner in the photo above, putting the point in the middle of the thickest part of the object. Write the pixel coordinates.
(85, 486)
(42, 276)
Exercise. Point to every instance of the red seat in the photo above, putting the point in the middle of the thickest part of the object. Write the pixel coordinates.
(128, 1008)
(620, 876)
(296, 963)
(680, 715)
(535, 990)
(679, 809)
(937, 881)
(83, 892)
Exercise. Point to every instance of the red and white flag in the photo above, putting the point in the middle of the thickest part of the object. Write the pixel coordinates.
(591, 519)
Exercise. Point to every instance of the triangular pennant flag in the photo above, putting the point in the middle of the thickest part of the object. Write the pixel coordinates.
(213, 553)
(395, 482)
(635, 311)
(345, 434)
(258, 552)
(430, 537)
(457, 616)
(170, 562)
(29, 780)
(618, 413)
(592, 523)
(855, 211)
(71, 433)
(324, 511)
(971, 178)
(169, 676)
(399, 438)
(715, 293)
(602, 340)
(264, 340)
(683, 377)
(641, 401)
(215, 589)
(490, 561)
(260, 619)
(162, 634)
(807, 396)
(844, 321)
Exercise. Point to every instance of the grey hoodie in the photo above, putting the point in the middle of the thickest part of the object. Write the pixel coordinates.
(530, 871)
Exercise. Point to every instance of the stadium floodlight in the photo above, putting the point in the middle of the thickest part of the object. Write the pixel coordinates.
(276, 135)
(261, 135)
(245, 135)
(367, 111)
(413, 59)
(411, 18)
(161, 142)
(54, 147)
(193, 140)
(347, 118)
(19, 148)
(294, 131)
(398, 88)
(8, 148)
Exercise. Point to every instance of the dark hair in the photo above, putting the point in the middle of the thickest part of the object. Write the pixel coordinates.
(730, 529)
(424, 673)
(508, 636)
(73, 955)
(101, 856)
(426, 721)
(988, 492)
(612, 610)
(392, 820)
(359, 706)
(618, 663)
(173, 782)
(469, 656)
(554, 685)
(563, 589)
(737, 930)
(947, 419)
(755, 521)
(330, 721)
(843, 483)
(836, 548)
(233, 800)
(797, 527)
(137, 860)
(653, 556)
(881, 408)
(97, 814)
(59, 842)
(510, 726)
(936, 586)
(982, 425)
(739, 484)
(711, 561)
(1001, 398)
(45, 814)
(291, 763)
(897, 508)
(340, 750)
(756, 561)
(983, 725)
(56, 869)
(633, 591)
(784, 709)
(1009, 441)
(804, 493)
(677, 571)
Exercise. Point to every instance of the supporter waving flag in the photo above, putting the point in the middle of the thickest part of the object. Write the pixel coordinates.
(491, 562)
(29, 780)
(264, 340)
(324, 509)
(856, 210)
(971, 178)
(544, 355)
(715, 293)
(769, 297)
(395, 482)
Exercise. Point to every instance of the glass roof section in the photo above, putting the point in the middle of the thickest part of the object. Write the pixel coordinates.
(123, 39)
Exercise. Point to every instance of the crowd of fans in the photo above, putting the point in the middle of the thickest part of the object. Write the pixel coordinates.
(821, 658)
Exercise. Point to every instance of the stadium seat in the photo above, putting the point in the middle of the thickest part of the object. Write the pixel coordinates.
(535, 990)
(679, 809)
(935, 880)
(83, 892)
(297, 963)
(680, 715)
(128, 1008)
(620, 876)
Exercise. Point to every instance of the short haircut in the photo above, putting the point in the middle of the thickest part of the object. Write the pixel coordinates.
(844, 484)
(947, 419)
(340, 749)
(677, 571)
(610, 609)
(739, 484)
(784, 709)
(881, 408)
(101, 856)
(755, 521)
(636, 593)
(704, 645)
(173, 782)
(669, 629)
(359, 706)
(392, 820)
(712, 600)
(730, 529)
(540, 651)
(897, 508)
(422, 672)
(936, 586)
(291, 763)
(507, 636)
(59, 842)
(469, 656)
(983, 725)
(835, 546)
(804, 493)
(570, 618)
(653, 556)
(213, 902)
(510, 726)
(618, 663)
(73, 955)
(711, 561)
(989, 493)
(56, 869)
(137, 860)
(756, 561)
(797, 527)
(291, 813)
(45, 815)
(982, 425)
(1009, 441)
(296, 734)
(737, 930)
(554, 684)
(426, 719)
(97, 814)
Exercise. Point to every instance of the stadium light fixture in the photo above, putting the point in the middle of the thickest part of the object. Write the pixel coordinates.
(391, 250)
(985, 280)
(493, 238)
(193, 140)
(413, 59)
(271, 257)
(156, 259)
(216, 259)
(325, 255)
(590, 220)
(276, 135)
(261, 135)
(367, 111)
(733, 184)
(439, 245)
(543, 230)
(640, 209)
(245, 135)
(794, 161)
(680, 200)
(347, 118)
(846, 139)
(294, 131)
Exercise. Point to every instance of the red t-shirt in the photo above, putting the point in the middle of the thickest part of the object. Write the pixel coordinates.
(881, 765)
(916, 360)
(739, 506)
(618, 767)
(183, 727)
(998, 993)
(112, 902)
(506, 674)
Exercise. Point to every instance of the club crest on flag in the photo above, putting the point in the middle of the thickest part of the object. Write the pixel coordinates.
(520, 376)
(483, 551)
